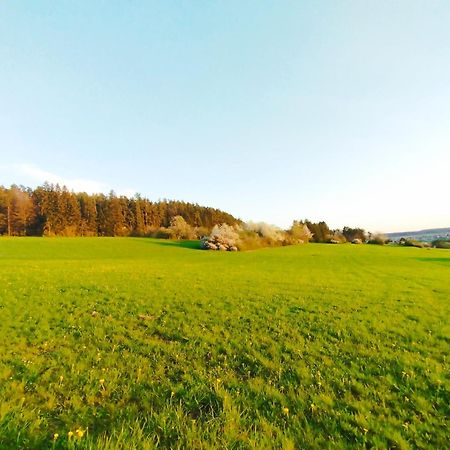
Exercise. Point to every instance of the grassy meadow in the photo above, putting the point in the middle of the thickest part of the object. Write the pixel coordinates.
(128, 343)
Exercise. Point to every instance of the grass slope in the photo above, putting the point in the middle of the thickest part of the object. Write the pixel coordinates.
(139, 343)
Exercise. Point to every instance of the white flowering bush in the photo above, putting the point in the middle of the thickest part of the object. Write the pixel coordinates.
(223, 237)
(251, 236)
(265, 230)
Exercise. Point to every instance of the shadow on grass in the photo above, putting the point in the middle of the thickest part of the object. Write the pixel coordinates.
(435, 260)
(192, 245)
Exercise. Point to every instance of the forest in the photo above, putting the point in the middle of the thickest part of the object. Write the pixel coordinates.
(52, 210)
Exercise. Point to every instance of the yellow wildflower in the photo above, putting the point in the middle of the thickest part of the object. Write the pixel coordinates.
(70, 434)
(55, 436)
(80, 433)
(286, 411)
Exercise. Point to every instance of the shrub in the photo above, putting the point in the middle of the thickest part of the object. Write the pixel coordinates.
(299, 233)
(252, 235)
(411, 243)
(222, 237)
(336, 237)
(201, 232)
(161, 233)
(441, 243)
(180, 229)
(265, 230)
(377, 239)
(354, 233)
(249, 240)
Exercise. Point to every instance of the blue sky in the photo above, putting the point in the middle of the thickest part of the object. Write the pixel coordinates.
(272, 111)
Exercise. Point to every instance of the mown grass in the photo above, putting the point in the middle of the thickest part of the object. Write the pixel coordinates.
(139, 343)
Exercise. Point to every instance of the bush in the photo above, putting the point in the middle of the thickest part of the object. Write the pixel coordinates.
(249, 240)
(180, 229)
(336, 238)
(411, 243)
(252, 236)
(160, 233)
(299, 233)
(222, 237)
(201, 232)
(264, 230)
(377, 239)
(441, 243)
(354, 233)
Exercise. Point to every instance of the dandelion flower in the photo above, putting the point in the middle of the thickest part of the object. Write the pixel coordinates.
(102, 381)
(55, 436)
(286, 411)
(70, 434)
(80, 433)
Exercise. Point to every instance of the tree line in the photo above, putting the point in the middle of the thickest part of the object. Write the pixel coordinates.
(52, 210)
(323, 234)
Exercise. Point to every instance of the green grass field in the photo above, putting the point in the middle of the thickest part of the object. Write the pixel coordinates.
(139, 343)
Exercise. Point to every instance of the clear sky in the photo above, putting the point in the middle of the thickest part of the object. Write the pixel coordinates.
(272, 111)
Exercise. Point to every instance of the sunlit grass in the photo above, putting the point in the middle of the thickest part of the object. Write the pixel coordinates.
(136, 343)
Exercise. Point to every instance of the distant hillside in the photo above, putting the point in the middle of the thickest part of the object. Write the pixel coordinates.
(422, 235)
